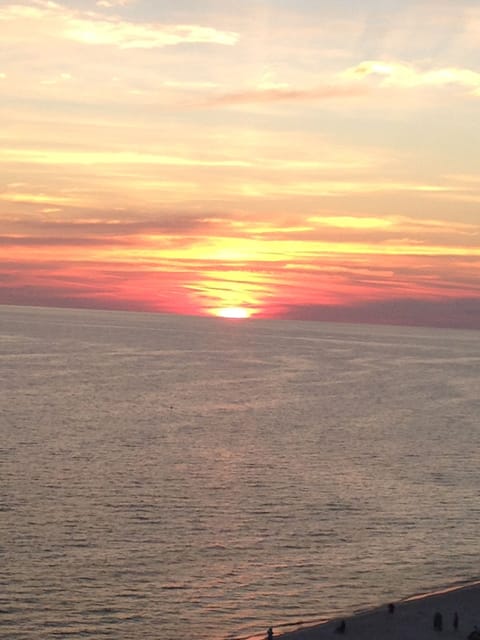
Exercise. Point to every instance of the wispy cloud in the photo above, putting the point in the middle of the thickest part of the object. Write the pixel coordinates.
(108, 4)
(338, 187)
(353, 222)
(37, 198)
(328, 92)
(53, 20)
(166, 223)
(79, 157)
(408, 76)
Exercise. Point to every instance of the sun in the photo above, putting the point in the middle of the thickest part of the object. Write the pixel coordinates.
(233, 312)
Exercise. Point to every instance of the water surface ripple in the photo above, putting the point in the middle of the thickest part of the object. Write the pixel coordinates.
(166, 477)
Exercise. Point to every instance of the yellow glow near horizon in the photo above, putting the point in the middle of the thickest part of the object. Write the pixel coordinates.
(233, 312)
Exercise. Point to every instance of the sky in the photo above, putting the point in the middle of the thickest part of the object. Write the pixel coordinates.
(294, 159)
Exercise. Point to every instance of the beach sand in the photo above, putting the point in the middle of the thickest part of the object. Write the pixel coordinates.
(412, 619)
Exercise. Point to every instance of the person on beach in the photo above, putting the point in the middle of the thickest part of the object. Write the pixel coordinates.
(455, 620)
(270, 633)
(438, 621)
(391, 608)
(341, 627)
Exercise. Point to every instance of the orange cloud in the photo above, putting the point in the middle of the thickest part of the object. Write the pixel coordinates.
(287, 94)
(189, 264)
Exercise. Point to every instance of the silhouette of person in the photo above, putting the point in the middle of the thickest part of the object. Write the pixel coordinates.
(455, 620)
(391, 608)
(438, 621)
(270, 633)
(341, 627)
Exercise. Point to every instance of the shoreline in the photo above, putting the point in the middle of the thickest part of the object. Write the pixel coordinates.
(412, 618)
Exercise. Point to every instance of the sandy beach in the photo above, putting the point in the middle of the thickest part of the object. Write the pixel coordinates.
(411, 619)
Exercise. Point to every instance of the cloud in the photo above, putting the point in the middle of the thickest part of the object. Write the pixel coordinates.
(57, 79)
(108, 4)
(38, 198)
(407, 76)
(31, 241)
(69, 296)
(353, 222)
(64, 157)
(259, 95)
(336, 188)
(168, 231)
(189, 85)
(53, 20)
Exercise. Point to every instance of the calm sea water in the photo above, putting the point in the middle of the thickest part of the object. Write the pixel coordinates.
(167, 477)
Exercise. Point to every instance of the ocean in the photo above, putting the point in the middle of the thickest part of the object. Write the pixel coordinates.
(167, 477)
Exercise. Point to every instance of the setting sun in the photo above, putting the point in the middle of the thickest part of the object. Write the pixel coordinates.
(233, 312)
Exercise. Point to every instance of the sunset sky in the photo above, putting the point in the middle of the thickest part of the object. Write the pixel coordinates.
(310, 159)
